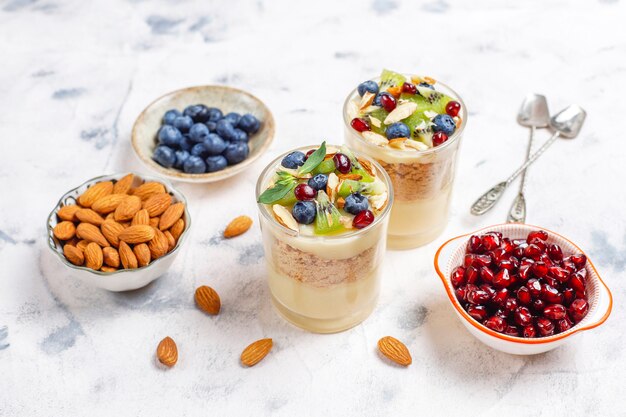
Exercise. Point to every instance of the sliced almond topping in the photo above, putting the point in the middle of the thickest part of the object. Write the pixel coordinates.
(346, 222)
(353, 110)
(332, 185)
(397, 143)
(401, 112)
(374, 138)
(284, 217)
(379, 201)
(355, 177)
(374, 121)
(366, 100)
(430, 114)
(366, 165)
(458, 120)
(414, 144)
(340, 202)
(370, 109)
(430, 80)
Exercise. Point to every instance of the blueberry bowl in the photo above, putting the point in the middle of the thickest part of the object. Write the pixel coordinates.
(183, 137)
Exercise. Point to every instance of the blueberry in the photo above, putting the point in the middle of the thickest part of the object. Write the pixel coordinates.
(186, 143)
(423, 84)
(369, 87)
(169, 116)
(183, 123)
(164, 156)
(193, 111)
(169, 136)
(198, 132)
(293, 160)
(215, 114)
(236, 152)
(240, 136)
(199, 150)
(216, 163)
(398, 130)
(194, 165)
(318, 182)
(249, 124)
(181, 157)
(202, 115)
(225, 129)
(304, 212)
(233, 118)
(214, 144)
(356, 203)
(376, 101)
(444, 123)
(211, 126)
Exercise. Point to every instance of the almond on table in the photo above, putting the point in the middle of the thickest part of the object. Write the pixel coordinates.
(239, 225)
(207, 300)
(256, 351)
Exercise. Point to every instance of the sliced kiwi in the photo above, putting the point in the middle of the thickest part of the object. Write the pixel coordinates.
(325, 167)
(350, 186)
(356, 165)
(327, 216)
(380, 114)
(289, 199)
(426, 100)
(391, 79)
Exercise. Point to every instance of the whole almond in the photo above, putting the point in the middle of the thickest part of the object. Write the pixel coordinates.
(89, 216)
(158, 245)
(154, 222)
(111, 257)
(177, 229)
(108, 203)
(141, 217)
(167, 352)
(95, 192)
(93, 256)
(127, 257)
(74, 255)
(64, 230)
(122, 186)
(91, 233)
(237, 226)
(256, 351)
(148, 189)
(106, 268)
(68, 212)
(157, 204)
(111, 231)
(142, 253)
(171, 215)
(82, 244)
(207, 300)
(127, 208)
(395, 350)
(171, 242)
(140, 233)
(111, 216)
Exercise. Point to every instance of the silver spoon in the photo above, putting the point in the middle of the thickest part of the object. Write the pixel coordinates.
(567, 124)
(533, 114)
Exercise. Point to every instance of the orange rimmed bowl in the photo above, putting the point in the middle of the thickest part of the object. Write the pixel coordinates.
(451, 254)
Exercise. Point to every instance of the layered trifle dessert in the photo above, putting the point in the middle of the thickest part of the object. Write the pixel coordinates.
(324, 212)
(412, 126)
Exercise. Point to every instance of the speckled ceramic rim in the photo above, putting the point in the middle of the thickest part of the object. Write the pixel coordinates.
(458, 133)
(261, 183)
(52, 241)
(447, 285)
(267, 123)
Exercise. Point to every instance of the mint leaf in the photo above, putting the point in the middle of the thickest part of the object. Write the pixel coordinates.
(314, 160)
(284, 184)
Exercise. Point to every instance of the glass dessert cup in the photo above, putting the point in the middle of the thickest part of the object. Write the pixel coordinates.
(323, 283)
(422, 180)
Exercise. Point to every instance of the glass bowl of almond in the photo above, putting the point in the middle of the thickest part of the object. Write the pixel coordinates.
(119, 232)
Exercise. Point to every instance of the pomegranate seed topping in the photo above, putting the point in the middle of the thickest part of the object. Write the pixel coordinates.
(388, 102)
(309, 153)
(458, 277)
(555, 253)
(523, 295)
(495, 323)
(551, 294)
(439, 138)
(342, 163)
(360, 125)
(363, 219)
(545, 326)
(579, 260)
(475, 245)
(532, 251)
(471, 275)
(522, 316)
(502, 279)
(478, 296)
(568, 296)
(491, 241)
(539, 269)
(578, 309)
(555, 312)
(534, 287)
(304, 192)
(529, 331)
(409, 88)
(500, 297)
(540, 234)
(577, 283)
(563, 325)
(478, 312)
(511, 331)
(486, 274)
(453, 108)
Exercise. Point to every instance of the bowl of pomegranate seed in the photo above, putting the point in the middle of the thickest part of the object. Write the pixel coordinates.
(522, 289)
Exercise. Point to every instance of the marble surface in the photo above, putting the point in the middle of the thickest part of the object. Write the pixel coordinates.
(74, 76)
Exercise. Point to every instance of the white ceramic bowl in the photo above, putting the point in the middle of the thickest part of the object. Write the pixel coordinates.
(451, 254)
(227, 99)
(123, 279)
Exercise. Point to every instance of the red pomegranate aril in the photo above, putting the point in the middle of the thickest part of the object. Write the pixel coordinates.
(546, 260)
(519, 251)
(439, 138)
(471, 275)
(551, 282)
(498, 255)
(478, 312)
(519, 242)
(568, 296)
(558, 273)
(488, 289)
(491, 241)
(514, 261)
(342, 163)
(486, 274)
(550, 294)
(563, 325)
(309, 153)
(507, 245)
(458, 277)
(539, 234)
(475, 245)
(511, 304)
(506, 264)
(502, 279)
(523, 295)
(579, 260)
(500, 297)
(363, 219)
(539, 269)
(468, 260)
(388, 102)
(495, 323)
(529, 331)
(478, 297)
(539, 305)
(545, 326)
(576, 283)
(578, 310)
(532, 251)
(534, 286)
(409, 88)
(304, 192)
(511, 331)
(522, 316)
(555, 312)
(453, 108)
(569, 266)
(360, 125)
(524, 272)
(555, 252)
(502, 313)
(460, 294)
(481, 260)
(582, 273)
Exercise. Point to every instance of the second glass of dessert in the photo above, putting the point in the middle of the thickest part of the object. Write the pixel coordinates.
(324, 213)
(412, 126)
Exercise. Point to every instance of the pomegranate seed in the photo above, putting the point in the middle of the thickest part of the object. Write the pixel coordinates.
(569, 266)
(491, 241)
(524, 272)
(460, 294)
(439, 138)
(478, 312)
(502, 313)
(515, 279)
(475, 245)
(564, 325)
(577, 283)
(546, 259)
(363, 219)
(522, 316)
(582, 273)
(532, 251)
(539, 305)
(579, 260)
(506, 264)
(551, 282)
(468, 260)
(519, 242)
(534, 287)
(360, 125)
(507, 245)
(388, 102)
(526, 262)
(486, 274)
(519, 251)
(545, 326)
(539, 234)
(514, 261)
(558, 273)
(523, 295)
(471, 275)
(478, 296)
(578, 310)
(511, 331)
(409, 88)
(304, 192)
(500, 297)
(342, 163)
(495, 323)
(555, 312)
(453, 108)
(502, 279)
(498, 255)
(568, 296)
(489, 290)
(510, 305)
(529, 331)
(539, 269)
(309, 153)
(458, 277)
(481, 260)
(555, 253)
(551, 294)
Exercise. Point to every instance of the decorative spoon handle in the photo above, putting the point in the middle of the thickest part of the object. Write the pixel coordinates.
(532, 158)
(517, 213)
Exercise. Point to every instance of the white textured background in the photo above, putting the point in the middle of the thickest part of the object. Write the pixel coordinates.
(75, 74)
